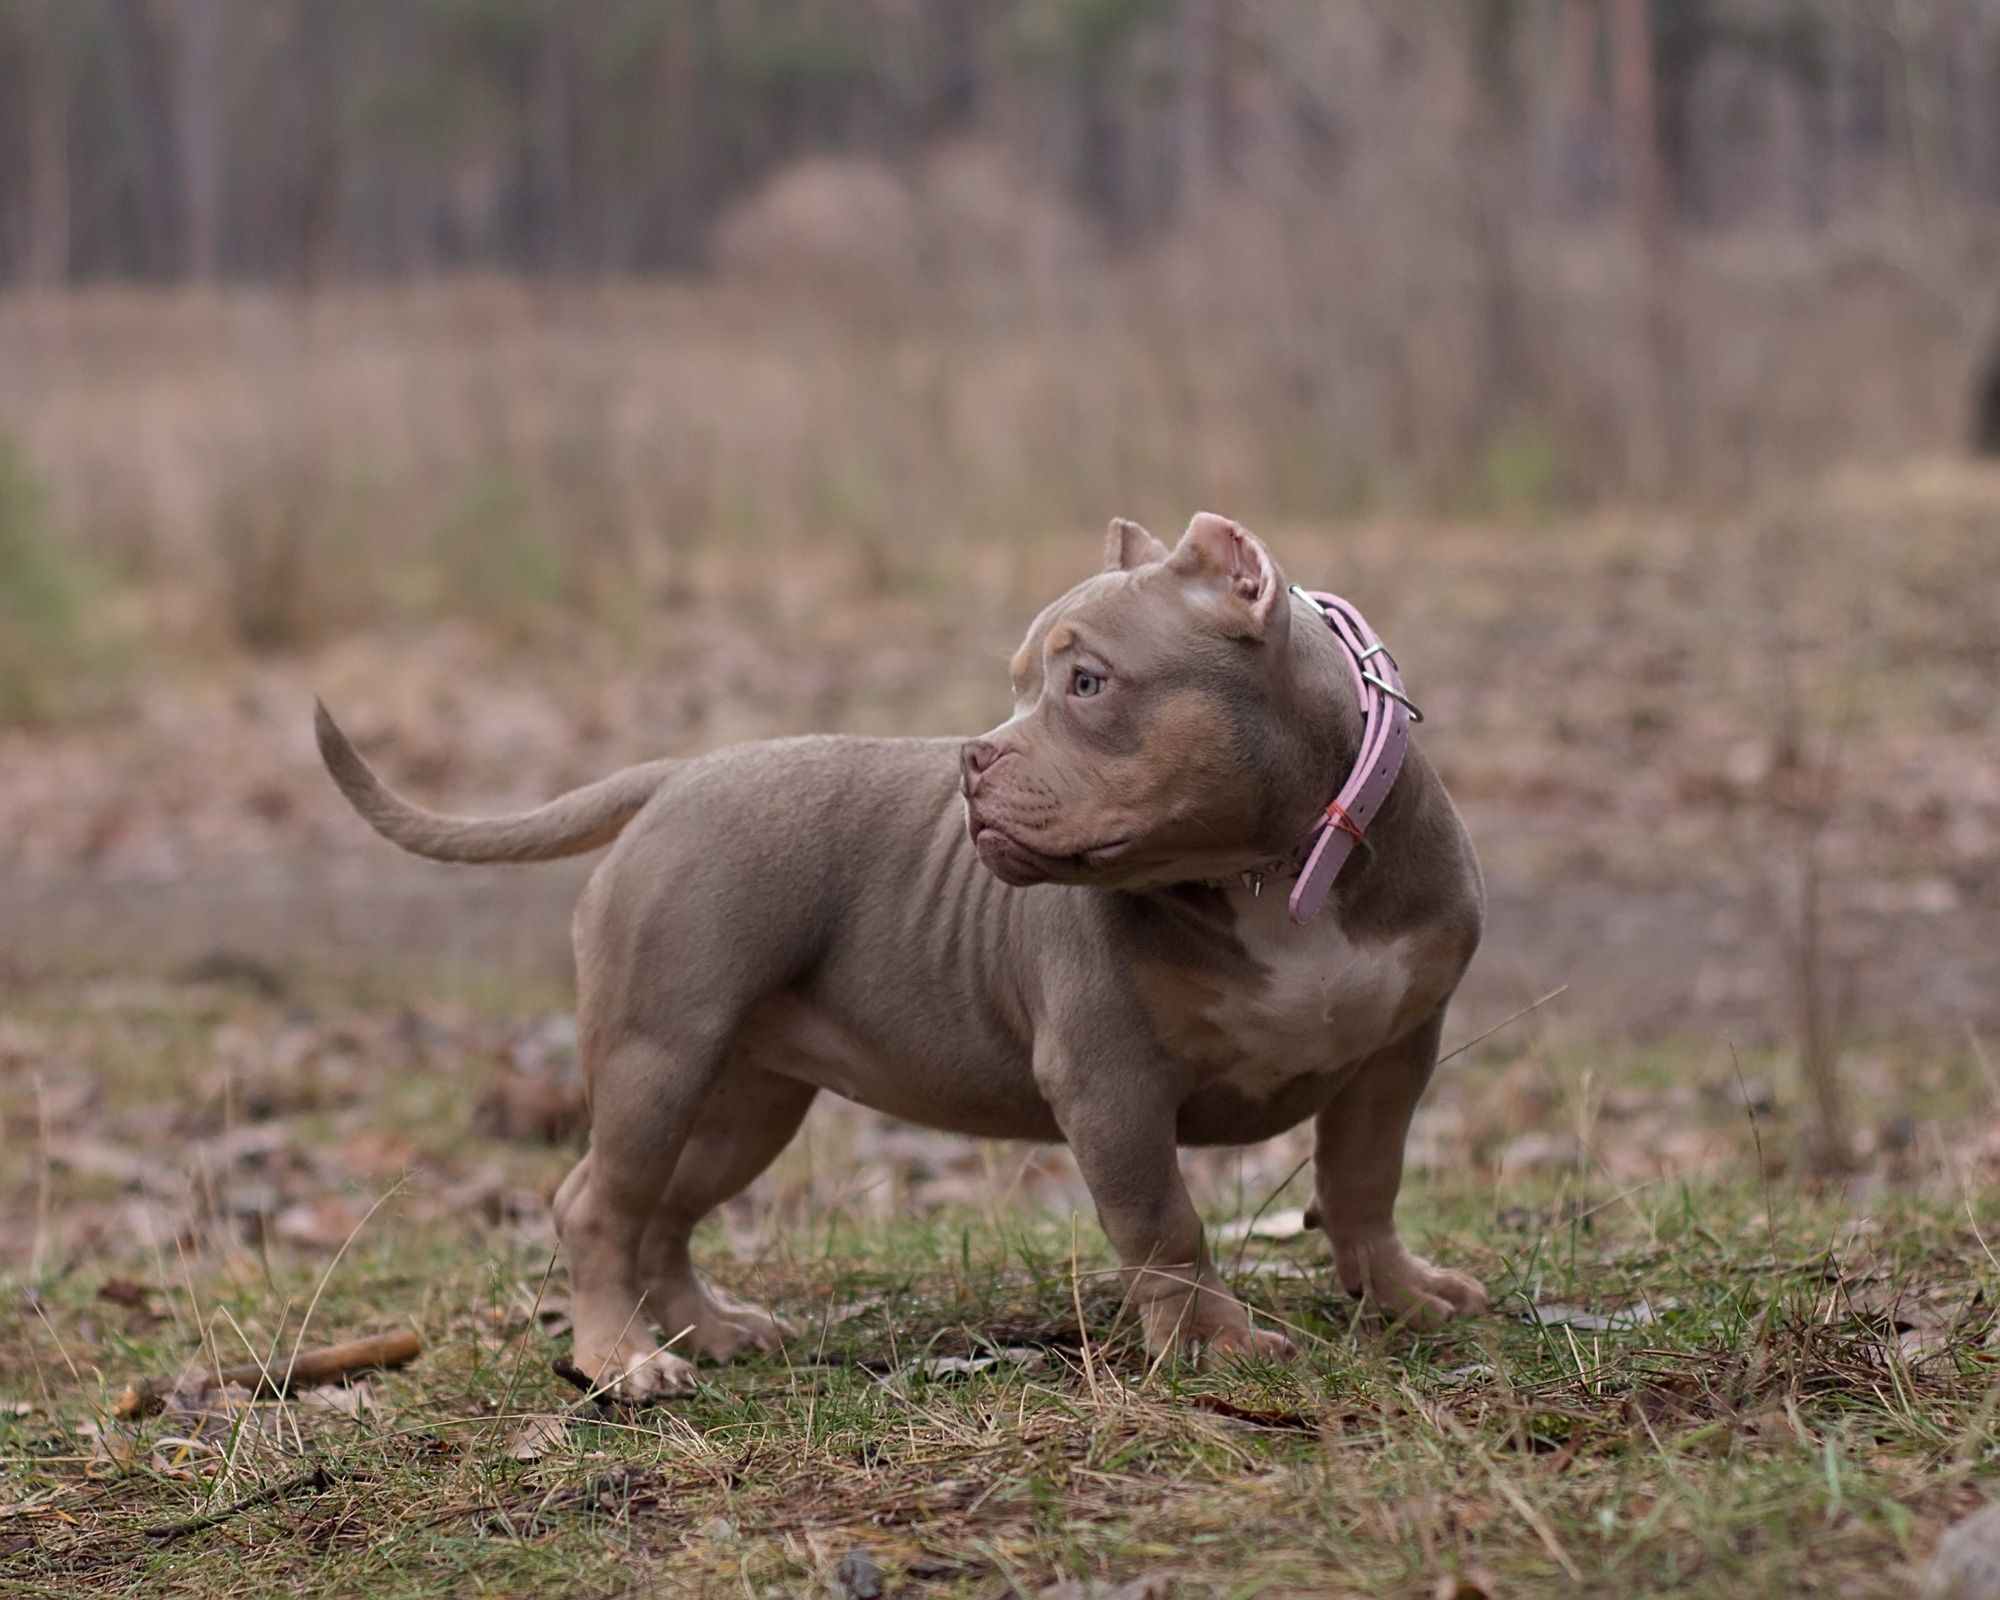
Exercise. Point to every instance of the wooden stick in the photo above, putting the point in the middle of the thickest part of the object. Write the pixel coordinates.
(327, 1364)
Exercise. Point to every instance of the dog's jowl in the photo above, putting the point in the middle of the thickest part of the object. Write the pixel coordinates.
(1196, 889)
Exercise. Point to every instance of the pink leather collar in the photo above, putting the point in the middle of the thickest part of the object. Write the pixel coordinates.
(1386, 712)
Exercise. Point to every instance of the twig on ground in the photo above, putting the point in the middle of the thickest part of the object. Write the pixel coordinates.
(328, 1364)
(577, 1379)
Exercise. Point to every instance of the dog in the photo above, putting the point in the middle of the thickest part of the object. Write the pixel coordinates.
(1072, 928)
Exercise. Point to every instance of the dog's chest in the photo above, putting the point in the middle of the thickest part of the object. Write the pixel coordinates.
(1302, 1001)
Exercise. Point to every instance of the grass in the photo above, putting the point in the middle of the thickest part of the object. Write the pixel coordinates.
(1813, 1402)
(263, 471)
(50, 656)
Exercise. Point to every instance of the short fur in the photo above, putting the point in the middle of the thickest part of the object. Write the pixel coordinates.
(1017, 937)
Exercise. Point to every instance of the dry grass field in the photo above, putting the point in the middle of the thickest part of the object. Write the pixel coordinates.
(1702, 1375)
(1730, 760)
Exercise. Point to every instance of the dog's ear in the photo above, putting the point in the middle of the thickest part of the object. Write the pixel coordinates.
(1230, 557)
(1128, 545)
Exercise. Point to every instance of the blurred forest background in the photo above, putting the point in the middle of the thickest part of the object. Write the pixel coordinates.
(554, 384)
(1302, 255)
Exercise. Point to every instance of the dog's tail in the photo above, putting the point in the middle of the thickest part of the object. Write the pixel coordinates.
(584, 819)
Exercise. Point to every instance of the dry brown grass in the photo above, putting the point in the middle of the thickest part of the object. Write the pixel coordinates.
(272, 469)
(1803, 1404)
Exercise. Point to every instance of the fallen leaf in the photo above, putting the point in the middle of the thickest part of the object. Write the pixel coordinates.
(97, 1158)
(322, 1225)
(538, 1438)
(858, 1576)
(849, 1309)
(1276, 1225)
(1641, 1315)
(1147, 1586)
(1540, 1151)
(1919, 1344)
(123, 1292)
(965, 1366)
(349, 1399)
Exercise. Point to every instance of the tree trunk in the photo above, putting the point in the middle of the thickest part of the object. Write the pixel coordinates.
(200, 136)
(1653, 447)
(959, 79)
(47, 81)
(551, 223)
(1638, 123)
(319, 173)
(135, 58)
(1581, 164)
(1494, 173)
(1197, 134)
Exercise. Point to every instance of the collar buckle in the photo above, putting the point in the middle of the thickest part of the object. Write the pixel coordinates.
(1390, 689)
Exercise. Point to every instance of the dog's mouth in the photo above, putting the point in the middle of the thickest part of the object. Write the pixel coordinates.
(1019, 864)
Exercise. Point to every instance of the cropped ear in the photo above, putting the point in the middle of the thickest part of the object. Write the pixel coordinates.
(1228, 556)
(1128, 545)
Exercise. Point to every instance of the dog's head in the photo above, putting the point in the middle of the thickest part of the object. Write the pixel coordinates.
(1149, 704)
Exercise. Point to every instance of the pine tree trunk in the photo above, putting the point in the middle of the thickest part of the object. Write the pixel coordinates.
(1196, 134)
(1494, 202)
(135, 57)
(1653, 446)
(200, 136)
(47, 81)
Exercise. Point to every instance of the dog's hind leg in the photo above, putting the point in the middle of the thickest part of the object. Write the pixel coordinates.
(747, 1120)
(645, 1097)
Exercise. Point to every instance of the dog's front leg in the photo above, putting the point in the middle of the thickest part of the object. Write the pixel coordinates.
(1126, 1150)
(1358, 1165)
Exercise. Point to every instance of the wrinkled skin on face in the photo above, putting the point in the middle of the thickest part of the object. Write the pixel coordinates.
(1153, 717)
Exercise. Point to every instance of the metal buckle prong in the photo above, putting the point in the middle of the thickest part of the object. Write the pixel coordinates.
(1394, 693)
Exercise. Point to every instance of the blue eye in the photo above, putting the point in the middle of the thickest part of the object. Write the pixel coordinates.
(1084, 683)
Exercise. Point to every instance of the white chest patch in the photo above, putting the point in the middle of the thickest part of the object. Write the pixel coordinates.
(1325, 1003)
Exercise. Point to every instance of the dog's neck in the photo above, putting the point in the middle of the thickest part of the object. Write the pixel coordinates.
(1320, 729)
(1312, 742)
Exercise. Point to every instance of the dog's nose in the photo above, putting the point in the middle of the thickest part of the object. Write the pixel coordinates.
(973, 760)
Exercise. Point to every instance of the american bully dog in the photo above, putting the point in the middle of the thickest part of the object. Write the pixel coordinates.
(1192, 891)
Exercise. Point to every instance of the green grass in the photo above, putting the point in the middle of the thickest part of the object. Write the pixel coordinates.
(53, 657)
(1816, 1401)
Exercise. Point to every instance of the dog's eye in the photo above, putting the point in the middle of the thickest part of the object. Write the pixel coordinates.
(1084, 683)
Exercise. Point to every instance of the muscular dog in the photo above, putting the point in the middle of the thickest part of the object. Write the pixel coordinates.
(1050, 932)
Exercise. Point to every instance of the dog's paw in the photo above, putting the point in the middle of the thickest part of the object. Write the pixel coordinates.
(637, 1372)
(1245, 1343)
(1405, 1287)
